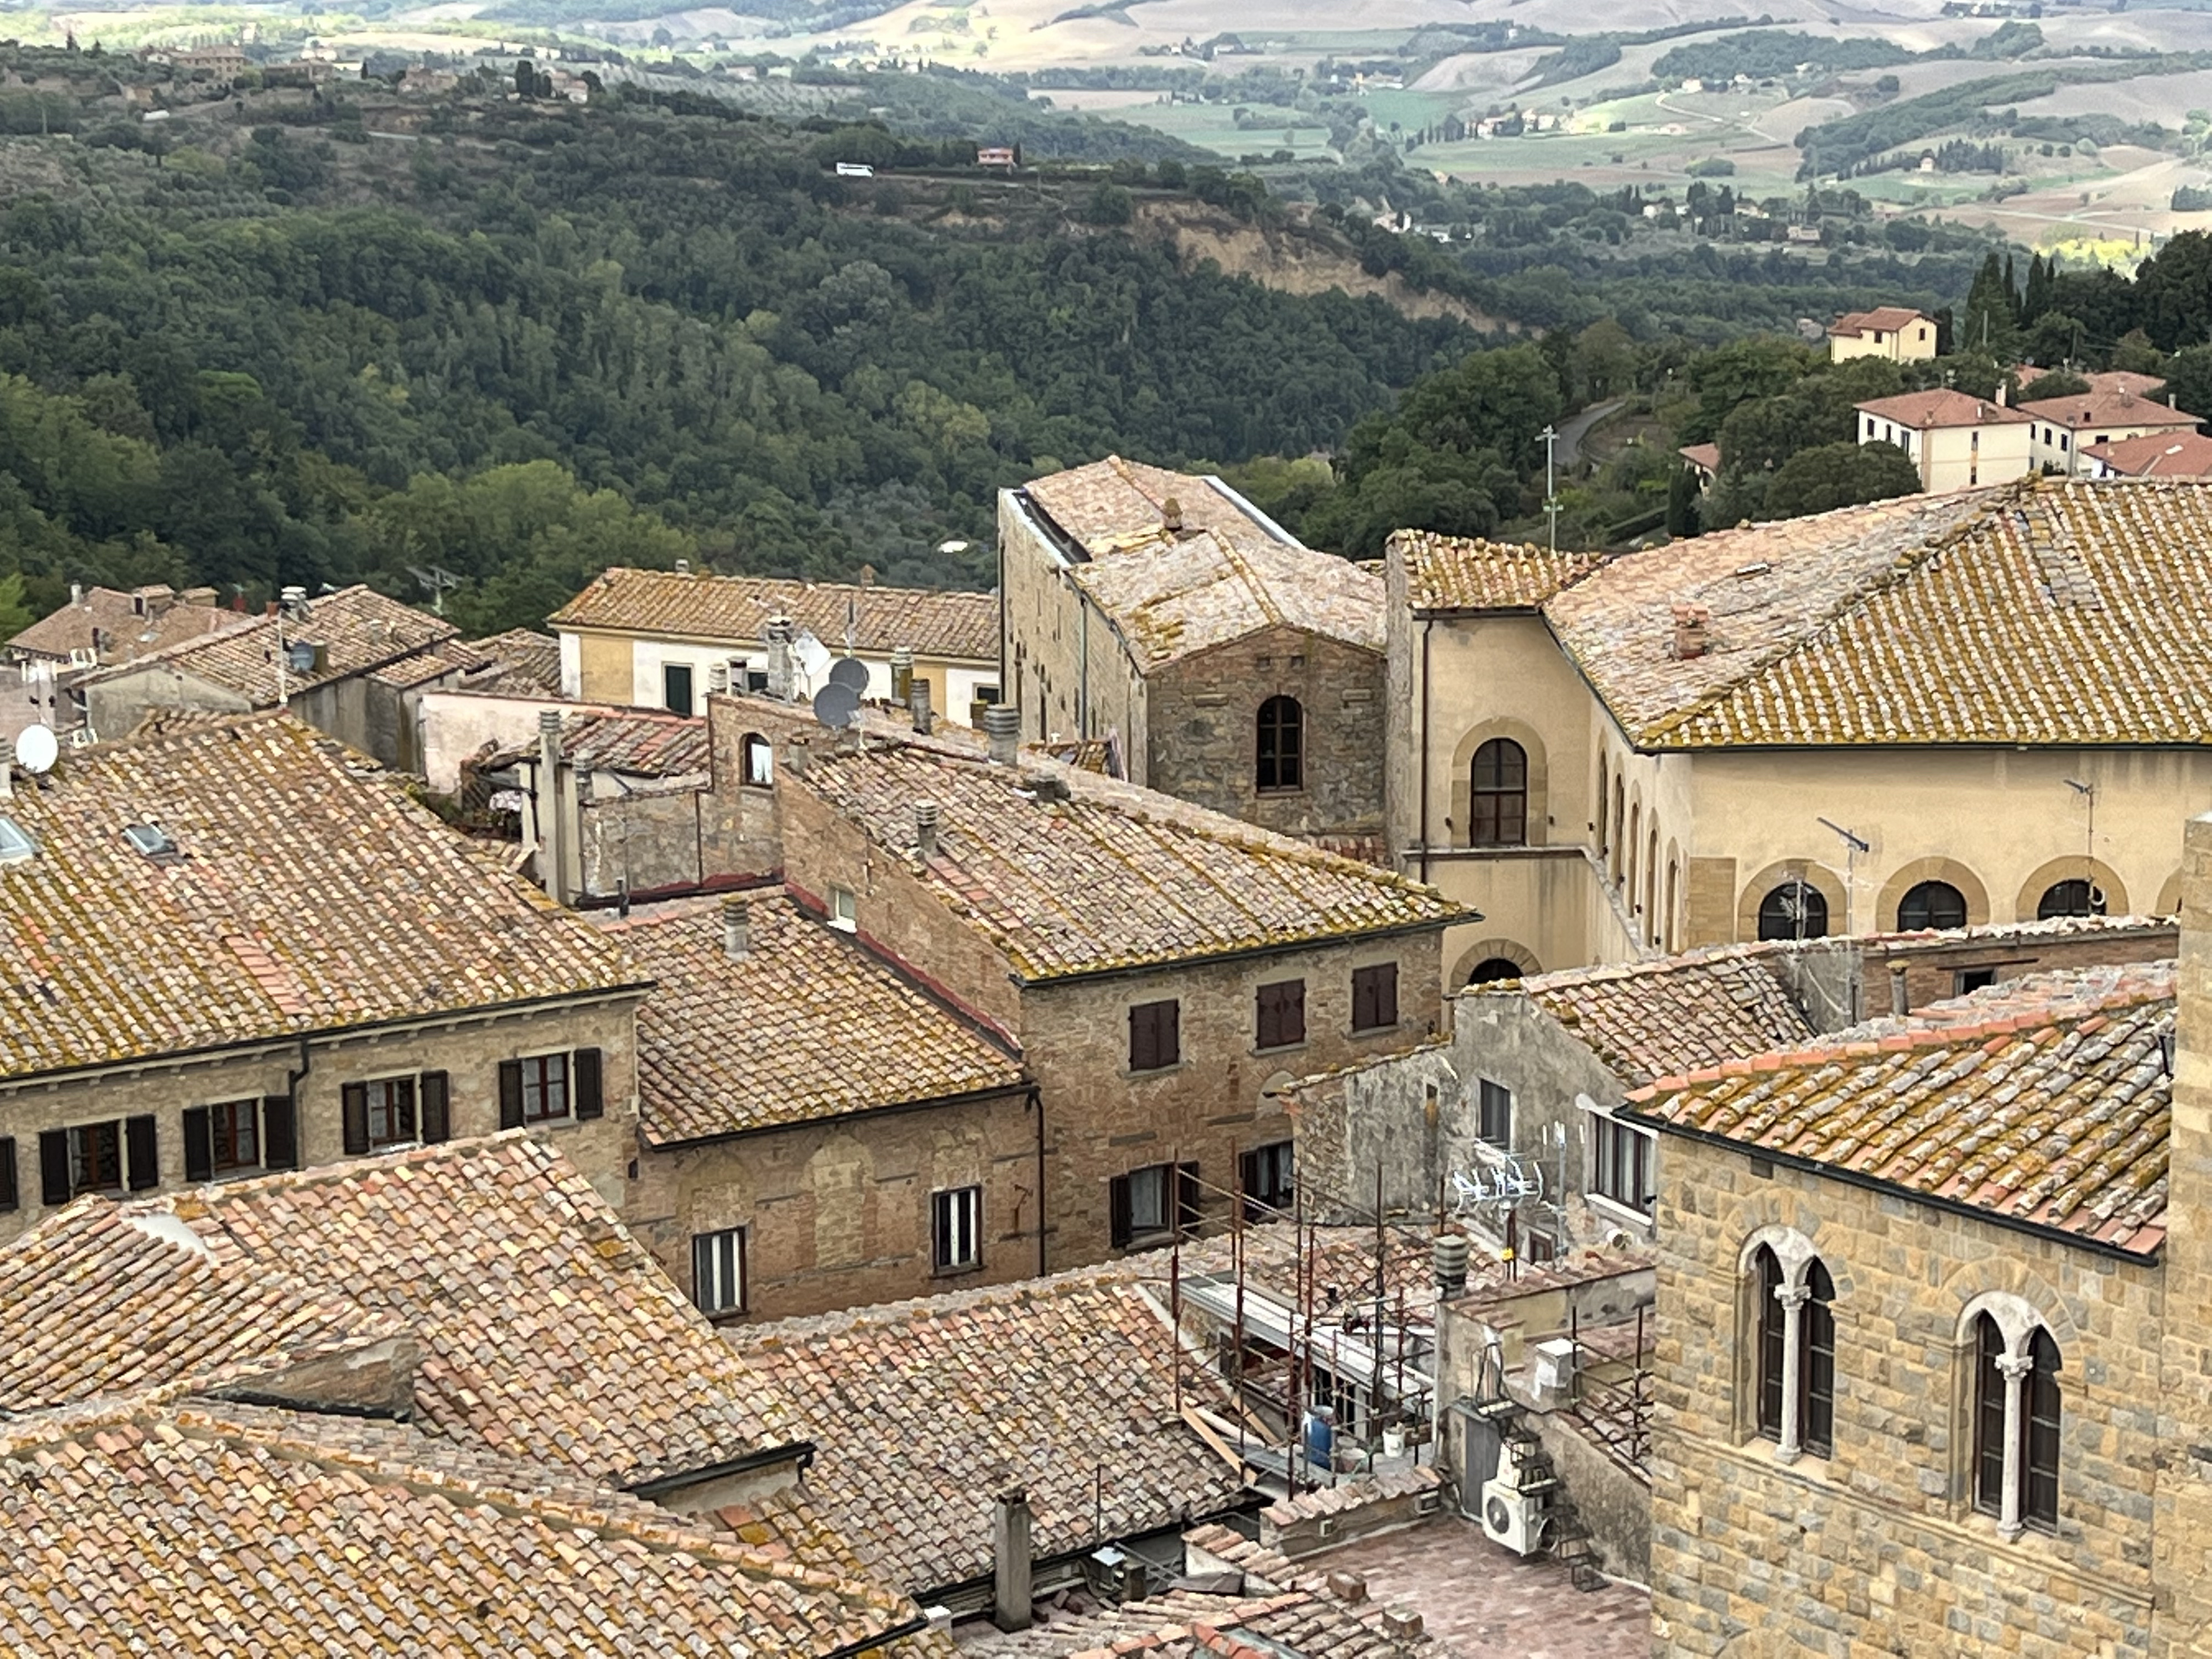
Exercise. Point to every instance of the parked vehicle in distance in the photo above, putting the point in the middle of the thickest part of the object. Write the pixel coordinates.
(855, 170)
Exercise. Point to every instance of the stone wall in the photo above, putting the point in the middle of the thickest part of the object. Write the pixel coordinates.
(652, 837)
(1204, 732)
(839, 1213)
(1067, 667)
(1878, 1548)
(113, 708)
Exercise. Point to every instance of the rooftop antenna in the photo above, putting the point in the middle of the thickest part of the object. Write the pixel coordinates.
(2093, 899)
(1550, 495)
(435, 581)
(1854, 844)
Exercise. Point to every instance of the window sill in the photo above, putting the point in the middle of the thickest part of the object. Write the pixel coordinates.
(960, 1272)
(1278, 1048)
(1153, 1072)
(1613, 1209)
(1377, 1030)
(726, 1317)
(1278, 794)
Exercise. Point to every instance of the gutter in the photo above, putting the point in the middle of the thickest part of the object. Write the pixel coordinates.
(1892, 1189)
(913, 1626)
(1036, 1100)
(799, 1451)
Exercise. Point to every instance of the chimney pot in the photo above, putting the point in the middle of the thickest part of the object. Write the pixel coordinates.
(1693, 630)
(77, 593)
(1171, 515)
(1002, 725)
(737, 929)
(925, 829)
(684, 567)
(779, 633)
(902, 674)
(917, 699)
(1010, 1561)
(1900, 1000)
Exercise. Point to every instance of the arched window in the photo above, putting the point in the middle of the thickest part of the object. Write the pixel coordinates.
(2016, 1426)
(1492, 969)
(1604, 824)
(1673, 904)
(1651, 884)
(1498, 806)
(1796, 910)
(1931, 904)
(1635, 833)
(1282, 745)
(2070, 898)
(1619, 819)
(1796, 1354)
(759, 757)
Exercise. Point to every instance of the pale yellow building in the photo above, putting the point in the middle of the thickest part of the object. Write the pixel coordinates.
(1928, 712)
(1956, 441)
(665, 639)
(2065, 427)
(1897, 332)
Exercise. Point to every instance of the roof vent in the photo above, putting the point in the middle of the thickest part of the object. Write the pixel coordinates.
(1049, 790)
(925, 829)
(1693, 625)
(684, 567)
(1002, 724)
(152, 839)
(1171, 515)
(917, 700)
(737, 929)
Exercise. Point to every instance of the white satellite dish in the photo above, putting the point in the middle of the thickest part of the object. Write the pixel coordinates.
(812, 656)
(35, 749)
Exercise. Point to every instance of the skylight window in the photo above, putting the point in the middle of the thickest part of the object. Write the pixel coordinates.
(15, 844)
(151, 839)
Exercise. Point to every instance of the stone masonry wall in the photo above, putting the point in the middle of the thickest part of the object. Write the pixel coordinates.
(1878, 1549)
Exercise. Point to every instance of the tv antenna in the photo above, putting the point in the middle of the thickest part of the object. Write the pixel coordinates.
(2093, 900)
(436, 582)
(1550, 495)
(1854, 844)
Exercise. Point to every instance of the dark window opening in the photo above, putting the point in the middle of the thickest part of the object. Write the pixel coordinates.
(2070, 898)
(1155, 1041)
(1932, 904)
(2039, 1494)
(1374, 997)
(1494, 1113)
(1282, 745)
(718, 1271)
(1988, 1416)
(1768, 1277)
(1795, 909)
(95, 1158)
(1490, 970)
(759, 761)
(1817, 1408)
(1269, 1174)
(1497, 804)
(1974, 979)
(956, 1229)
(676, 687)
(1622, 1169)
(1281, 1014)
(1155, 1200)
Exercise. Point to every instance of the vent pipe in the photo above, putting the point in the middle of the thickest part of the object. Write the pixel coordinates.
(1900, 1002)
(925, 829)
(779, 658)
(1002, 725)
(1010, 1561)
(918, 701)
(1450, 1254)
(737, 929)
(901, 673)
(551, 869)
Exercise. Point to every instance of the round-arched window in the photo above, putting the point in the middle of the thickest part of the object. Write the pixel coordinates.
(1490, 970)
(1795, 909)
(2070, 898)
(1931, 904)
(1497, 804)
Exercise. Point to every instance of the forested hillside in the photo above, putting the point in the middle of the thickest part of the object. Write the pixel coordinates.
(314, 353)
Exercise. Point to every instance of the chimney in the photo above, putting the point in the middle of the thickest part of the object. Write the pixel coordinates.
(1900, 1000)
(1002, 724)
(918, 701)
(1010, 1561)
(1172, 515)
(901, 673)
(718, 679)
(1694, 626)
(7, 767)
(1981, 410)
(552, 866)
(684, 567)
(1449, 1251)
(2004, 391)
(737, 929)
(779, 658)
(925, 829)
(867, 576)
(77, 593)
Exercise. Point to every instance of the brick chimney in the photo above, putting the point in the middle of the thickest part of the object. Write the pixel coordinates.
(1693, 625)
(737, 929)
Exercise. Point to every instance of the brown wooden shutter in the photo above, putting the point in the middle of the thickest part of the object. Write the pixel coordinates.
(1169, 1036)
(10, 1195)
(1386, 994)
(280, 1132)
(1293, 1011)
(355, 1098)
(199, 1146)
(510, 1094)
(1142, 1044)
(1362, 999)
(437, 1118)
(54, 1168)
(583, 1077)
(144, 1160)
(1118, 1205)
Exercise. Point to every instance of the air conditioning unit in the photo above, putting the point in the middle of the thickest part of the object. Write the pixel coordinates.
(1510, 1517)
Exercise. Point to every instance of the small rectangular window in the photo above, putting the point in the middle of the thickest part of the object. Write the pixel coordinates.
(14, 842)
(1155, 1039)
(1140, 1201)
(1374, 997)
(11, 1194)
(1494, 1113)
(95, 1158)
(1269, 1176)
(1281, 1011)
(1621, 1164)
(391, 1111)
(544, 1088)
(844, 909)
(1974, 979)
(718, 1271)
(676, 687)
(956, 1228)
(235, 1136)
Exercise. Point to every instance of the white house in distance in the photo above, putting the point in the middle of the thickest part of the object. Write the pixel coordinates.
(1957, 441)
(2153, 455)
(2064, 427)
(1902, 335)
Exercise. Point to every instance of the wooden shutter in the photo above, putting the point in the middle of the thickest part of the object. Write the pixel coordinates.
(54, 1168)
(1291, 1010)
(355, 1096)
(1118, 1204)
(1386, 994)
(1141, 1045)
(584, 1079)
(280, 1132)
(1362, 999)
(199, 1146)
(1170, 1033)
(510, 1094)
(144, 1161)
(10, 1196)
(434, 1093)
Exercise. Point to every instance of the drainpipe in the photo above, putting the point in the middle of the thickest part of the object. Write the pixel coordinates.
(1036, 1102)
(552, 851)
(292, 1082)
(1427, 627)
(1083, 674)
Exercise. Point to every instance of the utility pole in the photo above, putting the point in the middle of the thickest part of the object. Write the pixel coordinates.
(1550, 495)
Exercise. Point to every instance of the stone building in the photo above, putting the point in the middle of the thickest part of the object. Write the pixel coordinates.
(818, 1128)
(1230, 666)
(1158, 968)
(238, 948)
(1932, 1370)
(1924, 713)
(656, 638)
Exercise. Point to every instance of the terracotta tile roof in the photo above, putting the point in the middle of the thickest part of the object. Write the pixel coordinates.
(359, 629)
(809, 1025)
(1114, 876)
(2045, 611)
(446, 659)
(1463, 573)
(525, 658)
(307, 894)
(1888, 318)
(1184, 1624)
(1651, 1019)
(2112, 381)
(1941, 407)
(545, 1331)
(1706, 458)
(110, 617)
(1174, 597)
(735, 611)
(207, 1529)
(1038, 1385)
(2096, 408)
(1115, 503)
(638, 742)
(2156, 455)
(2047, 1103)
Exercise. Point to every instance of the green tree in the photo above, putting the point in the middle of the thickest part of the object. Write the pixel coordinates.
(1990, 319)
(1829, 476)
(14, 613)
(2056, 384)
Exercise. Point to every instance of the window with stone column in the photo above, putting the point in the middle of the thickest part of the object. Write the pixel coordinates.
(1796, 1353)
(2017, 1419)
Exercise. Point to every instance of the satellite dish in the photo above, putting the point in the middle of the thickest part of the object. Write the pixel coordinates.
(851, 673)
(35, 749)
(813, 657)
(834, 706)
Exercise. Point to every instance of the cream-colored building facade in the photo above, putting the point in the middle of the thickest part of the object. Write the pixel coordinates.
(1895, 332)
(1918, 713)
(2064, 428)
(1957, 442)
